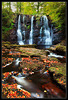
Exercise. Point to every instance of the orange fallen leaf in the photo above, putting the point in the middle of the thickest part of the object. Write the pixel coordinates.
(57, 68)
(47, 71)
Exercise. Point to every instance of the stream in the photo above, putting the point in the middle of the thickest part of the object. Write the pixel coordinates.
(39, 83)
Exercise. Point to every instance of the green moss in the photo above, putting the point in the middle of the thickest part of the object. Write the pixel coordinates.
(7, 42)
(61, 48)
(28, 46)
(28, 27)
(53, 58)
(52, 48)
(61, 68)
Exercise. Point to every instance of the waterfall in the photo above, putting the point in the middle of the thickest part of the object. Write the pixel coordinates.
(24, 28)
(44, 37)
(19, 34)
(40, 31)
(31, 32)
(47, 38)
(41, 27)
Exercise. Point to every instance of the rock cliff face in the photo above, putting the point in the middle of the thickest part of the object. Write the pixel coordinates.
(13, 32)
(26, 26)
(57, 37)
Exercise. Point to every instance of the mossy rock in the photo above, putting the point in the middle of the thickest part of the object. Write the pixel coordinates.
(53, 58)
(24, 55)
(5, 55)
(61, 49)
(9, 47)
(58, 68)
(52, 48)
(7, 42)
(29, 46)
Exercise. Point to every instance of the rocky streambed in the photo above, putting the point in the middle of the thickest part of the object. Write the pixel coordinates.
(32, 73)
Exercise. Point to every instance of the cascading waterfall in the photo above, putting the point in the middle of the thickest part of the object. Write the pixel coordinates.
(47, 38)
(31, 32)
(45, 35)
(19, 34)
(41, 28)
(24, 28)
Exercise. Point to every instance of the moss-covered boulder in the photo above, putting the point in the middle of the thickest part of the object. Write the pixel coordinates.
(61, 49)
(59, 74)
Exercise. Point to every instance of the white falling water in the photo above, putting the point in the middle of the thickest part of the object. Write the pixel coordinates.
(40, 33)
(31, 32)
(19, 34)
(41, 28)
(47, 38)
(24, 29)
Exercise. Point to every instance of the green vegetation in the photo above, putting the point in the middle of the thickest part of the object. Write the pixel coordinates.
(61, 48)
(7, 23)
(59, 70)
(28, 27)
(55, 10)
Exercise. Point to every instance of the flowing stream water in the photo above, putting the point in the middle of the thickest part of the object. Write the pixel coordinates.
(24, 28)
(33, 82)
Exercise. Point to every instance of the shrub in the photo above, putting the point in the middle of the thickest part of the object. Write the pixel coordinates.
(7, 23)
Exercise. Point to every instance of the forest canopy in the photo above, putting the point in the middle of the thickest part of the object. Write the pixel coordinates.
(56, 11)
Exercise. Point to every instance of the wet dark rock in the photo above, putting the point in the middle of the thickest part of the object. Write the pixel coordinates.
(58, 37)
(36, 33)
(62, 60)
(47, 52)
(51, 73)
(11, 80)
(34, 56)
(46, 67)
(14, 66)
(24, 55)
(58, 75)
(55, 30)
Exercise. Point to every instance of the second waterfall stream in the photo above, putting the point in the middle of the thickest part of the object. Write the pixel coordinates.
(19, 33)
(31, 32)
